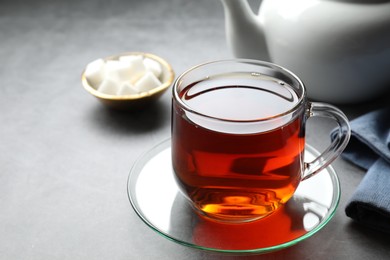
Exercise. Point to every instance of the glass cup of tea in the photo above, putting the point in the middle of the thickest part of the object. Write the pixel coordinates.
(238, 137)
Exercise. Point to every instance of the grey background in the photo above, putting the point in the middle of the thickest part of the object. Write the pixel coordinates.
(65, 159)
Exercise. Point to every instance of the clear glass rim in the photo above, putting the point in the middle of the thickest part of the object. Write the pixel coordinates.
(301, 98)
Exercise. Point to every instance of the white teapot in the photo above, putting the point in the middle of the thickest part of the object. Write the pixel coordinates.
(339, 48)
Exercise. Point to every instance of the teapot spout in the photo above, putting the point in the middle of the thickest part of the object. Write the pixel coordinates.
(244, 31)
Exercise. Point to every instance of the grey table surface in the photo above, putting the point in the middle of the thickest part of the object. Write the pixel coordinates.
(65, 159)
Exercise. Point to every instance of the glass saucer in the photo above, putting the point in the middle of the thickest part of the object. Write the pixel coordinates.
(155, 197)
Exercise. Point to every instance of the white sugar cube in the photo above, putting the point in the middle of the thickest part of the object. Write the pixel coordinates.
(127, 89)
(108, 86)
(147, 82)
(153, 66)
(114, 69)
(137, 69)
(126, 69)
(95, 72)
(130, 58)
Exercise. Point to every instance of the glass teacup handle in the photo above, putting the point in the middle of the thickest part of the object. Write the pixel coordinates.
(339, 141)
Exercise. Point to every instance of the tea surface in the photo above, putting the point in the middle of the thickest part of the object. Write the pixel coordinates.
(256, 97)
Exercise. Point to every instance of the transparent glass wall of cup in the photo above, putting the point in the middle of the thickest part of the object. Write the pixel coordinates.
(238, 137)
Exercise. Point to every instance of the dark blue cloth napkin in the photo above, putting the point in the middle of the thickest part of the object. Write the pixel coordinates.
(369, 148)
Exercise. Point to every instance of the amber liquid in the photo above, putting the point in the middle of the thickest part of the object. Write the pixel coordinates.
(237, 171)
